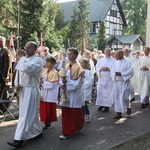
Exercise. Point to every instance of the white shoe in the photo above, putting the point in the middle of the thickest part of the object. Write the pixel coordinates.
(63, 137)
(87, 118)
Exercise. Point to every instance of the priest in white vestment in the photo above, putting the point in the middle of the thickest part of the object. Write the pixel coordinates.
(104, 86)
(122, 72)
(144, 78)
(133, 81)
(27, 81)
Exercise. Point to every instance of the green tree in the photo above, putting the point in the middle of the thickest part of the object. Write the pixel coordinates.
(8, 18)
(79, 25)
(101, 38)
(84, 23)
(38, 16)
(59, 20)
(135, 14)
(63, 33)
(73, 34)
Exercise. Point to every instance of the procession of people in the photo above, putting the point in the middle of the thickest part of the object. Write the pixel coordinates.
(43, 80)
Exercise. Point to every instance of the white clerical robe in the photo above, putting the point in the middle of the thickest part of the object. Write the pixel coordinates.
(30, 70)
(50, 90)
(105, 83)
(74, 92)
(133, 80)
(88, 81)
(92, 67)
(144, 76)
(122, 84)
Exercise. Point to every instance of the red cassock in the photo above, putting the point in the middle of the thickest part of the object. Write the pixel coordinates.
(72, 120)
(48, 112)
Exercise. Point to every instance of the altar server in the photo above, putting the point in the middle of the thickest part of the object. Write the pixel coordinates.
(49, 97)
(72, 116)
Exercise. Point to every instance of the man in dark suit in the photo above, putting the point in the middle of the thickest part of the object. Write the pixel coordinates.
(4, 67)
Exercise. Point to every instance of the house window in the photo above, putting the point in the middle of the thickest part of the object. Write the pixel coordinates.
(113, 13)
(93, 28)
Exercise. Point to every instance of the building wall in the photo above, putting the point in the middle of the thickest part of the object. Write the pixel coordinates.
(114, 23)
(136, 45)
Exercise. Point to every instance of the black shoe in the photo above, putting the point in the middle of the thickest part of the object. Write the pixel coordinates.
(100, 108)
(143, 106)
(37, 137)
(47, 127)
(106, 109)
(147, 104)
(117, 116)
(128, 111)
(15, 143)
(133, 99)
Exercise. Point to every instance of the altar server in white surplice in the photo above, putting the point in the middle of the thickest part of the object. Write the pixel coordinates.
(30, 69)
(122, 72)
(86, 88)
(144, 78)
(72, 116)
(49, 96)
(128, 56)
(105, 84)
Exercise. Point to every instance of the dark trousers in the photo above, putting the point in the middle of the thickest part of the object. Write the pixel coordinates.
(3, 94)
(85, 109)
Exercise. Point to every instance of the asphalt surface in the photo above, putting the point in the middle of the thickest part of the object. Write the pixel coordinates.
(101, 133)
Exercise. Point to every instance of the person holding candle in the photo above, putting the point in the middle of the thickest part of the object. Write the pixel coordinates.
(72, 116)
(50, 88)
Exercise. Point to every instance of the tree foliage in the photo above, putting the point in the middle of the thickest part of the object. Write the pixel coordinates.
(135, 14)
(8, 17)
(73, 34)
(101, 38)
(79, 25)
(37, 16)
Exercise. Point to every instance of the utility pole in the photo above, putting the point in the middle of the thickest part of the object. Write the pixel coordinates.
(148, 25)
(19, 23)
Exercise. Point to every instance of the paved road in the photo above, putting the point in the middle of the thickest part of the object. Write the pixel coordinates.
(102, 133)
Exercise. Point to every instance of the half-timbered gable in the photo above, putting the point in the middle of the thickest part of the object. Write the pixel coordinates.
(108, 10)
(115, 20)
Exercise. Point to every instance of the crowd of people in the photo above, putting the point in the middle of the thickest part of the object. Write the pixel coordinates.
(115, 75)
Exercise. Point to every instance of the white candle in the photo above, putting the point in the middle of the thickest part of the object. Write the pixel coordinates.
(63, 64)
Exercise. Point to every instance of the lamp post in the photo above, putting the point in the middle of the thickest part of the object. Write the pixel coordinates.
(19, 22)
(148, 25)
